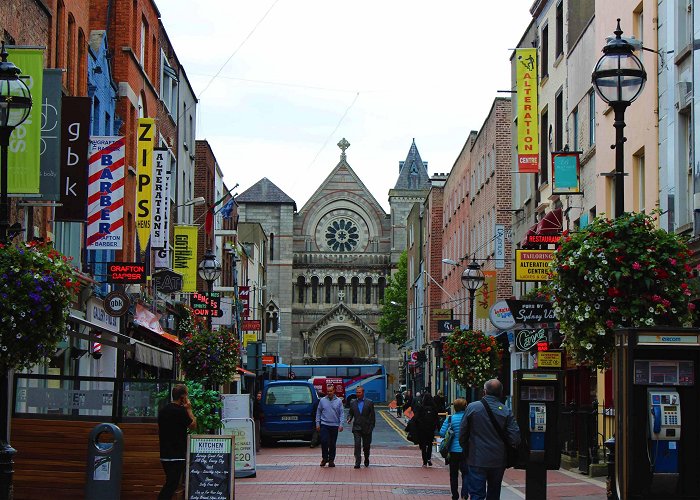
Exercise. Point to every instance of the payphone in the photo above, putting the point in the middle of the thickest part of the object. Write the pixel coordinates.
(538, 425)
(664, 430)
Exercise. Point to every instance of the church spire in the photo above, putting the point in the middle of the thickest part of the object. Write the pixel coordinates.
(413, 172)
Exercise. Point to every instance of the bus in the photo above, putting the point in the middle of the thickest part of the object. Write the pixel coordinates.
(371, 377)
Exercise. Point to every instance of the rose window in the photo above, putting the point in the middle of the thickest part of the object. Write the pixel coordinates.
(342, 235)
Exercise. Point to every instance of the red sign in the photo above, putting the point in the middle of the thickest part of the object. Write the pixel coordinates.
(320, 383)
(544, 238)
(543, 346)
(268, 360)
(244, 297)
(126, 272)
(251, 325)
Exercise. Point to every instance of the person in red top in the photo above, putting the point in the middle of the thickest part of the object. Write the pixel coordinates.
(173, 421)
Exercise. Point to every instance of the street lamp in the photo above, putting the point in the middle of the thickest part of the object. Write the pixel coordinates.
(618, 79)
(199, 200)
(15, 105)
(472, 279)
(209, 270)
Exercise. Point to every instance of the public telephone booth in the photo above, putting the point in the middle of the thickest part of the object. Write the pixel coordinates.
(657, 442)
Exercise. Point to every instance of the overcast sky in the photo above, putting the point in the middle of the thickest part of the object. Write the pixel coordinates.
(296, 76)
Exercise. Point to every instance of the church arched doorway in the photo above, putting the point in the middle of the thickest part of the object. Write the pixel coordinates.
(341, 347)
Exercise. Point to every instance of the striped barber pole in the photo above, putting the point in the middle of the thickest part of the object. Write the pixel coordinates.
(97, 346)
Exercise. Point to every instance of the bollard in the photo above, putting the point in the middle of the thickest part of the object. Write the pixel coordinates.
(104, 463)
(610, 480)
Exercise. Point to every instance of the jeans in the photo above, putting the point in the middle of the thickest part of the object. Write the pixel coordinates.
(362, 443)
(329, 436)
(174, 471)
(485, 482)
(458, 463)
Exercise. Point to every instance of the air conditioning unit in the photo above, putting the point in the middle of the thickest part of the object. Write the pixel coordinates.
(684, 95)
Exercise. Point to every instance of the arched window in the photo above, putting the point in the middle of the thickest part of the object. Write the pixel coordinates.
(314, 290)
(328, 285)
(301, 289)
(272, 246)
(368, 290)
(381, 285)
(355, 285)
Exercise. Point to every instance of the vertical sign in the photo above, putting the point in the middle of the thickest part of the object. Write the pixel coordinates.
(500, 244)
(50, 151)
(160, 198)
(75, 138)
(185, 256)
(566, 173)
(161, 254)
(105, 227)
(526, 88)
(23, 156)
(486, 295)
(144, 172)
(244, 298)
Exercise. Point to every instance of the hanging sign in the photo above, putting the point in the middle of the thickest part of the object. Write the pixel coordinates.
(206, 304)
(160, 198)
(527, 340)
(533, 265)
(105, 227)
(531, 311)
(528, 126)
(500, 316)
(210, 467)
(566, 172)
(144, 173)
(185, 256)
(75, 140)
(126, 272)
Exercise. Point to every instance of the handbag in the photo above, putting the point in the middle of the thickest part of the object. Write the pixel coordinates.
(444, 447)
(511, 451)
(411, 431)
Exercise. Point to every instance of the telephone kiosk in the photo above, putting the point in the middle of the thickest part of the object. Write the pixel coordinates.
(538, 425)
(664, 430)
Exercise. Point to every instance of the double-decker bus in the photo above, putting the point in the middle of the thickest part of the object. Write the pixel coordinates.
(371, 377)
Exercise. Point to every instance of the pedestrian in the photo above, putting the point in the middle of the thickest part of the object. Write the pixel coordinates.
(407, 400)
(329, 421)
(457, 457)
(399, 404)
(173, 421)
(486, 455)
(361, 415)
(257, 418)
(439, 399)
(426, 420)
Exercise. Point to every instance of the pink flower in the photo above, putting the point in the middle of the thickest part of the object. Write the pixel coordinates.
(636, 266)
(656, 298)
(666, 303)
(609, 323)
(672, 261)
(613, 309)
(691, 306)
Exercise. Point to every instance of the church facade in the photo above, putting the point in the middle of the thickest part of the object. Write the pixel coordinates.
(328, 264)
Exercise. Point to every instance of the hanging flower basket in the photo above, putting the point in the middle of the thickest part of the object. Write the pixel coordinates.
(619, 273)
(210, 357)
(472, 357)
(37, 286)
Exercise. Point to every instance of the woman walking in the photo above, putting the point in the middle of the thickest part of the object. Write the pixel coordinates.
(426, 420)
(457, 458)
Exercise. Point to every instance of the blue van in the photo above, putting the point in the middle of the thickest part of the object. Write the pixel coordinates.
(288, 408)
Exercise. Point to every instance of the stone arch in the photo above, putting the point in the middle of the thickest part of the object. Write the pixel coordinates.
(331, 342)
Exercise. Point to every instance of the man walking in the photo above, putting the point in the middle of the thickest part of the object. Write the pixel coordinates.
(173, 421)
(486, 456)
(361, 415)
(329, 421)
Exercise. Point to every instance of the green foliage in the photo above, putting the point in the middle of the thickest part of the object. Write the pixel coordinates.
(472, 357)
(37, 285)
(619, 273)
(210, 357)
(206, 407)
(392, 323)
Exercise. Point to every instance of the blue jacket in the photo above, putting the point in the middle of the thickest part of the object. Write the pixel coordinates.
(455, 421)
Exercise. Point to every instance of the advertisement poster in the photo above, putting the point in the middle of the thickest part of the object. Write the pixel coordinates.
(144, 174)
(243, 432)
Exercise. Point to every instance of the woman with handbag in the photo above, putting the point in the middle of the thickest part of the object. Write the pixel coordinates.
(457, 458)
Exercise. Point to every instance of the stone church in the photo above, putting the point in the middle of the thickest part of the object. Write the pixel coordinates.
(329, 262)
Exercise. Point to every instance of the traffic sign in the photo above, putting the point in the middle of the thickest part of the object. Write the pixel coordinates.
(117, 303)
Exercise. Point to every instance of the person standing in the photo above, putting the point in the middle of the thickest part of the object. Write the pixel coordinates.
(329, 421)
(458, 462)
(486, 455)
(407, 400)
(257, 418)
(173, 421)
(439, 399)
(426, 420)
(399, 404)
(361, 415)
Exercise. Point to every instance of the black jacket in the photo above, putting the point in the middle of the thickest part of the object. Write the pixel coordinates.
(362, 422)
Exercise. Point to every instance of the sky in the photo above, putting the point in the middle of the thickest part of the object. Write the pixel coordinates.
(281, 82)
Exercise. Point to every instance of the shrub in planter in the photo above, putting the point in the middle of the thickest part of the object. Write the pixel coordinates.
(472, 357)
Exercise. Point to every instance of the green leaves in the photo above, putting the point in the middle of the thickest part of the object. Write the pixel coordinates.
(210, 357)
(472, 357)
(392, 323)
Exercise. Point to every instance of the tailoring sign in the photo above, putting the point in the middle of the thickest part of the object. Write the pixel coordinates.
(533, 265)
(144, 173)
(528, 127)
(105, 194)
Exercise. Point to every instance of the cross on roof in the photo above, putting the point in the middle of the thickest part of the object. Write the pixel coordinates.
(343, 145)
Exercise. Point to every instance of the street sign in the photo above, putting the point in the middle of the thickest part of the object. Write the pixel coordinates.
(116, 303)
(447, 325)
(167, 281)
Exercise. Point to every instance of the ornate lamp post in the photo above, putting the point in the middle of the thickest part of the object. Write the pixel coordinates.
(618, 79)
(472, 280)
(209, 270)
(15, 105)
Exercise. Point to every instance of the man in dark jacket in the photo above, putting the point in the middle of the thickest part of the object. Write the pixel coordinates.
(486, 456)
(399, 404)
(361, 415)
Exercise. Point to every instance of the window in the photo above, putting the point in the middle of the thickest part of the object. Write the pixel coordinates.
(327, 288)
(574, 125)
(591, 118)
(544, 53)
(560, 29)
(288, 394)
(341, 287)
(142, 43)
(559, 121)
(272, 246)
(355, 285)
(168, 91)
(70, 53)
(301, 287)
(368, 290)
(381, 286)
(95, 116)
(544, 148)
(639, 28)
(640, 180)
(314, 290)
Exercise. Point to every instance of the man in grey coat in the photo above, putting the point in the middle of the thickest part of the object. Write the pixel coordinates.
(486, 455)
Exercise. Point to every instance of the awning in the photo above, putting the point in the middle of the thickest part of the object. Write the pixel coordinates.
(530, 232)
(551, 223)
(245, 372)
(90, 337)
(152, 356)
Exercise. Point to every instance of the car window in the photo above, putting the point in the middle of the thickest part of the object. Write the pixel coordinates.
(288, 394)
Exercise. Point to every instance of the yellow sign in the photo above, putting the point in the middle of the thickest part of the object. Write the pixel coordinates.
(185, 256)
(486, 295)
(440, 314)
(533, 265)
(144, 177)
(249, 337)
(549, 359)
(528, 119)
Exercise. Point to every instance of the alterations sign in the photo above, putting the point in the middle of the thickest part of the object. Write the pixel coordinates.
(533, 265)
(528, 127)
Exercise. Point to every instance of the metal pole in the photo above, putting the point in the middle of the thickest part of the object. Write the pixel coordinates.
(4, 202)
(620, 157)
(471, 308)
(210, 285)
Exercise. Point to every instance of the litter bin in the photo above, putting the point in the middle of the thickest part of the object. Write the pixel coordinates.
(104, 463)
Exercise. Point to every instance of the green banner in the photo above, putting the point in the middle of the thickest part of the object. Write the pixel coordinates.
(24, 162)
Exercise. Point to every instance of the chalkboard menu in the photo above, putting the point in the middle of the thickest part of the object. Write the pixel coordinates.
(209, 468)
